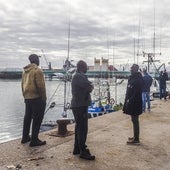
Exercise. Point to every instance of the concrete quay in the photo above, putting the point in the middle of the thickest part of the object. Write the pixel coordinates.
(106, 140)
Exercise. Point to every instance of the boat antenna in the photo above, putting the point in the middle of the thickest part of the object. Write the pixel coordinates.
(137, 43)
(139, 30)
(134, 50)
(154, 33)
(68, 40)
(68, 45)
(114, 51)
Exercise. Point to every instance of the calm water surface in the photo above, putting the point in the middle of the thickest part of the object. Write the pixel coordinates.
(12, 105)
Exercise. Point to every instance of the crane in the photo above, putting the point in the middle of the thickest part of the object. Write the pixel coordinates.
(48, 63)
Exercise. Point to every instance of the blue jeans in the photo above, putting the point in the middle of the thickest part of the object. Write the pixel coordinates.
(146, 99)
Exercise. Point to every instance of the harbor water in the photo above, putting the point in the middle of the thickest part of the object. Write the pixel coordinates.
(12, 105)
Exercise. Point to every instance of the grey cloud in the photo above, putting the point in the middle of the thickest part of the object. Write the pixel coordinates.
(30, 26)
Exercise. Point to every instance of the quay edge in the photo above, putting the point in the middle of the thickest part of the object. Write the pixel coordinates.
(107, 138)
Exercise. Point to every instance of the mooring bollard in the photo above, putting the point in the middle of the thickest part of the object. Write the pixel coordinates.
(62, 126)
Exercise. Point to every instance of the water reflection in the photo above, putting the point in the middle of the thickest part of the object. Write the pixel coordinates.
(12, 105)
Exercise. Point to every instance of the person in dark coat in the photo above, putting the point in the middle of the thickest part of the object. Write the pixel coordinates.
(162, 84)
(81, 99)
(147, 80)
(133, 101)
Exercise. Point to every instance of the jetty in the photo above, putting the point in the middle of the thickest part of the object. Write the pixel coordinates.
(16, 73)
(100, 69)
(107, 138)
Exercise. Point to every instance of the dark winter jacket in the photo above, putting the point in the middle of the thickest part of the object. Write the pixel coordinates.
(147, 80)
(133, 98)
(163, 78)
(81, 89)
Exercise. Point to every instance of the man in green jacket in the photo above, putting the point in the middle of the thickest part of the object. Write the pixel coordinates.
(34, 93)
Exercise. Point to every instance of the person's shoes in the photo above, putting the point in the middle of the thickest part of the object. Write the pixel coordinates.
(133, 142)
(37, 143)
(87, 155)
(25, 140)
(130, 138)
(76, 151)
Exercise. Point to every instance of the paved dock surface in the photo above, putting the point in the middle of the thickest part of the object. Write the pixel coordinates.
(106, 140)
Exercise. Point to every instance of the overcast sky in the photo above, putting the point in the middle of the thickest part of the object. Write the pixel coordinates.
(98, 28)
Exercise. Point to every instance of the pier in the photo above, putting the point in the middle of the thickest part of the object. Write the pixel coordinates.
(17, 74)
(106, 140)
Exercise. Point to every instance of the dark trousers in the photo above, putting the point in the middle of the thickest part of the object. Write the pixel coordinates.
(162, 91)
(34, 110)
(81, 127)
(135, 121)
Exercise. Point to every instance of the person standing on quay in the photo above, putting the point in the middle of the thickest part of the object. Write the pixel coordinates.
(34, 93)
(162, 84)
(147, 80)
(81, 99)
(133, 102)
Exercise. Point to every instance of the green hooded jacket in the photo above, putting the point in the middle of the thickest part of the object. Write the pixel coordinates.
(33, 84)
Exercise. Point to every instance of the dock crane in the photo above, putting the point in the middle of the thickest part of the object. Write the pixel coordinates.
(48, 63)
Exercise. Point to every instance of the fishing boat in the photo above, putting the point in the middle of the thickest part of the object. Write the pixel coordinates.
(103, 102)
(99, 108)
(155, 87)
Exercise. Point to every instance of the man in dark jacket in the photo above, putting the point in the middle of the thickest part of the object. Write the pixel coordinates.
(162, 84)
(147, 80)
(81, 99)
(133, 101)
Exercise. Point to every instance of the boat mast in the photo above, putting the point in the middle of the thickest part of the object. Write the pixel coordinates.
(114, 47)
(138, 41)
(66, 68)
(151, 56)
